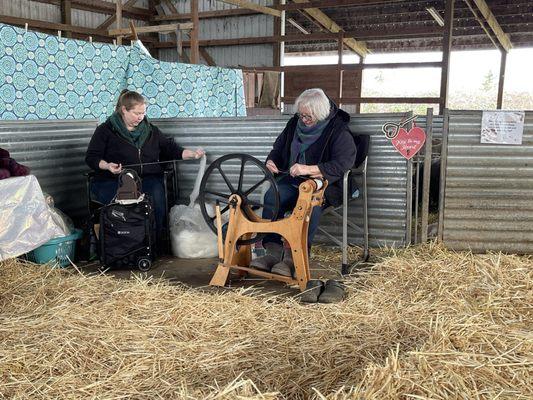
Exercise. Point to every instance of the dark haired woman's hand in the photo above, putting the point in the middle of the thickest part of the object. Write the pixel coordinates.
(189, 154)
(114, 168)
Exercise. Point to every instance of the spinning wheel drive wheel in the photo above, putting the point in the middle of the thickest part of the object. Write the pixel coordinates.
(239, 174)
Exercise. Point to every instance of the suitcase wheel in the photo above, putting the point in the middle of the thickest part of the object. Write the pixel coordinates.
(144, 264)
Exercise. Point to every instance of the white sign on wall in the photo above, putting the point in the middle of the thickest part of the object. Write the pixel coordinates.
(502, 127)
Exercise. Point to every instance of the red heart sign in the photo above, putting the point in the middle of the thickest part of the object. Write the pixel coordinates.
(408, 143)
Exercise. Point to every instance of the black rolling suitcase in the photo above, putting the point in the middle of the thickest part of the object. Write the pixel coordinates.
(127, 230)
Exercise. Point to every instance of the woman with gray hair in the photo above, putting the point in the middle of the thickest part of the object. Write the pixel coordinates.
(316, 142)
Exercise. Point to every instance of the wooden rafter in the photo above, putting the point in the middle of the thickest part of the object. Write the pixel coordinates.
(298, 26)
(502, 37)
(234, 12)
(252, 6)
(359, 47)
(150, 29)
(297, 38)
(482, 23)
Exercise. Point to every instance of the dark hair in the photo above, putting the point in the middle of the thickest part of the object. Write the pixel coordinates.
(129, 99)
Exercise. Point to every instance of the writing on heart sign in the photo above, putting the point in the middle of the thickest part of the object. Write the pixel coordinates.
(408, 143)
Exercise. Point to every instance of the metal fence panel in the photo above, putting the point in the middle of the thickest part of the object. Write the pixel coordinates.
(55, 152)
(387, 170)
(488, 190)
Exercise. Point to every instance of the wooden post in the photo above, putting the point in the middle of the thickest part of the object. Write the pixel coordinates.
(179, 45)
(153, 51)
(442, 184)
(119, 19)
(276, 48)
(133, 31)
(359, 85)
(66, 15)
(501, 81)
(195, 53)
(427, 174)
(446, 48)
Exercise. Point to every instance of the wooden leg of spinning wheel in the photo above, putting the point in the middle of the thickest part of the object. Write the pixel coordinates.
(300, 259)
(221, 274)
(301, 267)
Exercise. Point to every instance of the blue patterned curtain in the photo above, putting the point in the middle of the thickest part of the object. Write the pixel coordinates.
(45, 77)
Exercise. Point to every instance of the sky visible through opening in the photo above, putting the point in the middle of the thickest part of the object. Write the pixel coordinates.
(473, 80)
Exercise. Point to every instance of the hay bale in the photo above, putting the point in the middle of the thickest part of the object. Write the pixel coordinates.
(423, 323)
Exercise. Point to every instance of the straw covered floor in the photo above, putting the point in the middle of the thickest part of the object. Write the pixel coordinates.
(423, 323)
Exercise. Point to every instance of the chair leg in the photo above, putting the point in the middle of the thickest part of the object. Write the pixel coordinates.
(366, 252)
(344, 266)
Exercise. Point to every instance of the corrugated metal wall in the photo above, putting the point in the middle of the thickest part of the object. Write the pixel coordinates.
(51, 13)
(216, 28)
(488, 203)
(258, 55)
(55, 152)
(387, 173)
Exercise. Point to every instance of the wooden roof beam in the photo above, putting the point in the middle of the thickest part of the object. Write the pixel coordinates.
(150, 29)
(359, 47)
(502, 37)
(298, 26)
(252, 6)
(234, 12)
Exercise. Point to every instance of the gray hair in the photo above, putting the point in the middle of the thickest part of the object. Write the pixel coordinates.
(316, 101)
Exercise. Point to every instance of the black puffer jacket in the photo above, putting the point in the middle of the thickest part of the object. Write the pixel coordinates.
(334, 152)
(107, 144)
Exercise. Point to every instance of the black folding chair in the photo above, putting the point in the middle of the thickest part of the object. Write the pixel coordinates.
(350, 193)
(169, 182)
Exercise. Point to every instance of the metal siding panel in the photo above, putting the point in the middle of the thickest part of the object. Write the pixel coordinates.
(30, 10)
(387, 170)
(55, 152)
(41, 144)
(488, 189)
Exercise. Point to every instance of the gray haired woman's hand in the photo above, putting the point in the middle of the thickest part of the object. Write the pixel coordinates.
(271, 166)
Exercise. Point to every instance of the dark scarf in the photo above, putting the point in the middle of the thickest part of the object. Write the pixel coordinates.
(137, 137)
(304, 138)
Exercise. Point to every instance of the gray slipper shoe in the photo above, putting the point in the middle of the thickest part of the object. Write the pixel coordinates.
(264, 263)
(312, 290)
(272, 256)
(334, 292)
(286, 266)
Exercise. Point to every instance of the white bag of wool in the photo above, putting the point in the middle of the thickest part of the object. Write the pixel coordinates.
(190, 236)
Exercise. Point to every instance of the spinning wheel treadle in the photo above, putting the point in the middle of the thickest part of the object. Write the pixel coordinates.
(221, 167)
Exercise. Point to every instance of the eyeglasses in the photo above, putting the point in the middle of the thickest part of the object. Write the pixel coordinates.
(306, 117)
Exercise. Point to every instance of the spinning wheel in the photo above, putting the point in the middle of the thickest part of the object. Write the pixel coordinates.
(239, 201)
(233, 169)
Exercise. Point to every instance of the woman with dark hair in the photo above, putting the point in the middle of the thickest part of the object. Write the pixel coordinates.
(317, 143)
(128, 138)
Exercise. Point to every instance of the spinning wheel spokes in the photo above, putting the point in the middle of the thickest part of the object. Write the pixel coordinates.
(221, 188)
